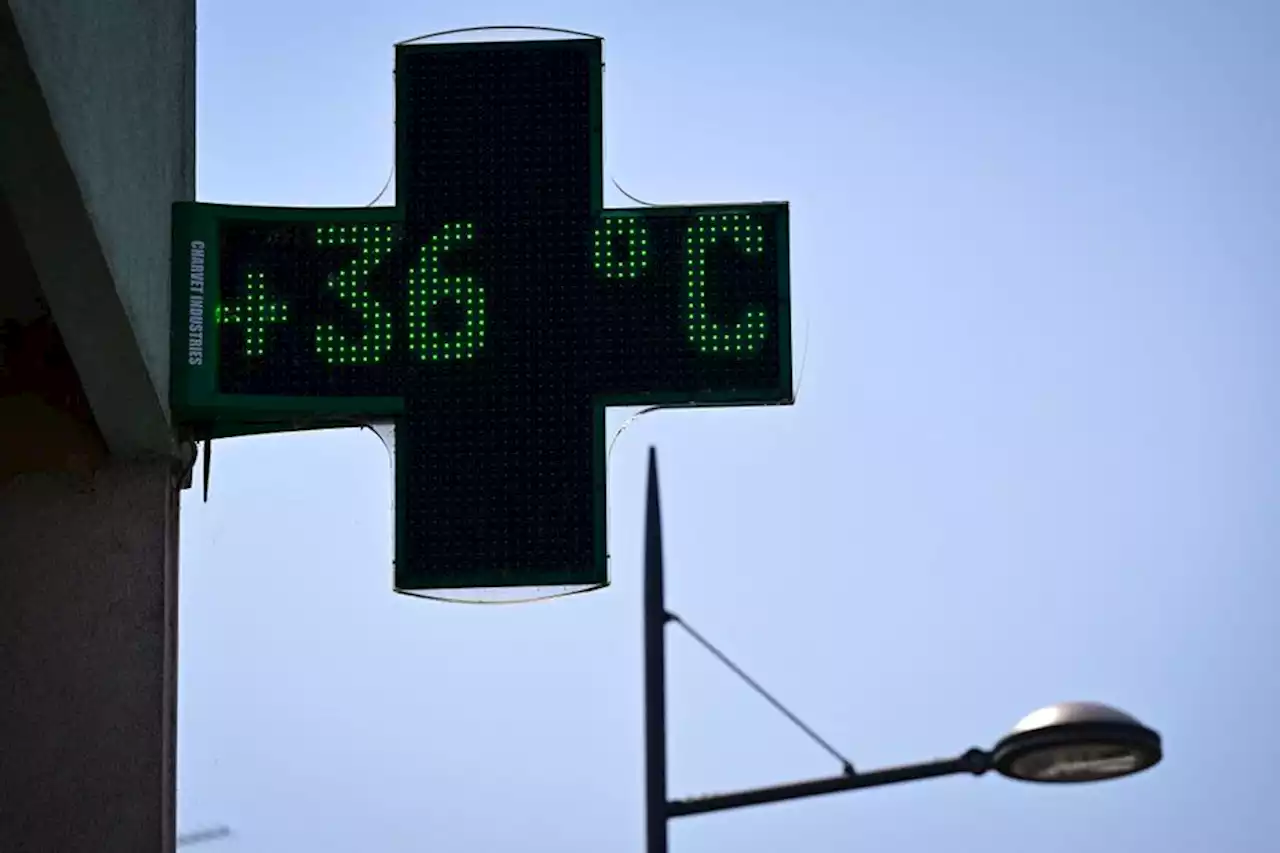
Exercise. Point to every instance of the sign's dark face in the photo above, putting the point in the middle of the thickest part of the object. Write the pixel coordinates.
(493, 313)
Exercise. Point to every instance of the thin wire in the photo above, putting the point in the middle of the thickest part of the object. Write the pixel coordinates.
(608, 457)
(630, 196)
(385, 187)
(831, 750)
(804, 360)
(499, 27)
(490, 602)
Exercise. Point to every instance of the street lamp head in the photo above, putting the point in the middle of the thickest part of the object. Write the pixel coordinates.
(1076, 742)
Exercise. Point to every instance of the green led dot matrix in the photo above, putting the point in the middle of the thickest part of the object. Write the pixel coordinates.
(492, 315)
(254, 312)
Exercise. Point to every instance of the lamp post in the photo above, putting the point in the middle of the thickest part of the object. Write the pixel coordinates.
(1069, 742)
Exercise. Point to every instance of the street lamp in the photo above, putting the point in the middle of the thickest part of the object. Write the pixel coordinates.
(1076, 742)
(1068, 742)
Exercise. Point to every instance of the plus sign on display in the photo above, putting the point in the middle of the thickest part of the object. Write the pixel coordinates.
(492, 315)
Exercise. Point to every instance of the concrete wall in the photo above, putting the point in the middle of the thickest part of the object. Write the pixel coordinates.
(87, 646)
(118, 77)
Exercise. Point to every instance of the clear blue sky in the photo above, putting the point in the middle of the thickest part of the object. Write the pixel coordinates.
(1036, 453)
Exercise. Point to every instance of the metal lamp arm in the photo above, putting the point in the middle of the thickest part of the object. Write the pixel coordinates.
(975, 761)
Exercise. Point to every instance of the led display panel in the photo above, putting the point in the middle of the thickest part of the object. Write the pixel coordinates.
(492, 314)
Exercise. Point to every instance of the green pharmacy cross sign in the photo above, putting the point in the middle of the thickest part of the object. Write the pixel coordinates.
(491, 315)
